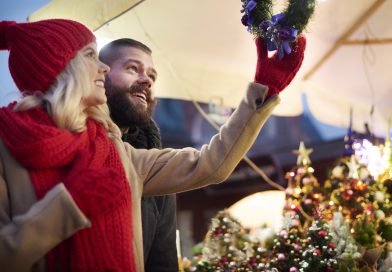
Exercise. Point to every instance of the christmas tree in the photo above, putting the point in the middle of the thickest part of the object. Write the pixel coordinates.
(346, 225)
(347, 251)
(360, 205)
(287, 247)
(303, 193)
(350, 194)
(319, 252)
(227, 246)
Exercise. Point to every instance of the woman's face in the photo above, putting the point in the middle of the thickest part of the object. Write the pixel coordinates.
(97, 70)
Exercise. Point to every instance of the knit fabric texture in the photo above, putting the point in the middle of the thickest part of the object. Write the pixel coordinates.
(49, 155)
(40, 50)
(146, 137)
(278, 73)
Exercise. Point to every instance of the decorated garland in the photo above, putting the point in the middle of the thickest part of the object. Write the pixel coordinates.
(279, 30)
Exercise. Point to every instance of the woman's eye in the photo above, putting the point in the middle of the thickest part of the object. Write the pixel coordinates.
(152, 77)
(91, 54)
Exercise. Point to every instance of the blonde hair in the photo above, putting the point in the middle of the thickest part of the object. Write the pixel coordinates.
(63, 100)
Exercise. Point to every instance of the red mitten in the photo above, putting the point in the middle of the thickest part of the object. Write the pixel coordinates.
(95, 190)
(276, 73)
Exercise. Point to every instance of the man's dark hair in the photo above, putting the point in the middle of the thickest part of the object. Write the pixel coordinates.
(109, 52)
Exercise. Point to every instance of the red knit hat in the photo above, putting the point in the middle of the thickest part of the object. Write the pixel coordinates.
(40, 50)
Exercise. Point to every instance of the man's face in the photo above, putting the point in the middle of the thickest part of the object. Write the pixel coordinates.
(129, 87)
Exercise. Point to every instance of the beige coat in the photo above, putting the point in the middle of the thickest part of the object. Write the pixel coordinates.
(30, 228)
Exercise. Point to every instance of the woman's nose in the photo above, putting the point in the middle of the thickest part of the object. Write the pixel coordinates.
(103, 68)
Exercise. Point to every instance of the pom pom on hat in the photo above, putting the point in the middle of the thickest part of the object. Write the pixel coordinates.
(39, 51)
(3, 33)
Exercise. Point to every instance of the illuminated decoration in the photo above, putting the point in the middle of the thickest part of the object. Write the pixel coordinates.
(370, 155)
(269, 206)
(217, 111)
(349, 139)
(378, 159)
(344, 225)
(375, 158)
(303, 191)
(303, 155)
(353, 168)
(386, 159)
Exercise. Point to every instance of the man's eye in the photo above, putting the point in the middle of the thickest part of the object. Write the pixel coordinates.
(132, 69)
(153, 77)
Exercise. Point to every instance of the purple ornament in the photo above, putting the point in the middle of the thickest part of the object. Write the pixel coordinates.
(284, 34)
(251, 5)
(223, 260)
(283, 233)
(281, 257)
(265, 25)
(293, 269)
(276, 36)
(244, 20)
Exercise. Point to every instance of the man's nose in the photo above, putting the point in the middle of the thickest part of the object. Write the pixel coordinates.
(145, 79)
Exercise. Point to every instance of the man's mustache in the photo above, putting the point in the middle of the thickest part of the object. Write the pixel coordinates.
(138, 88)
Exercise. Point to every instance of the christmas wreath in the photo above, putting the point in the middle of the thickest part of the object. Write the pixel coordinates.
(279, 30)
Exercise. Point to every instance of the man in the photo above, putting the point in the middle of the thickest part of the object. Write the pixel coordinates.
(129, 89)
(131, 101)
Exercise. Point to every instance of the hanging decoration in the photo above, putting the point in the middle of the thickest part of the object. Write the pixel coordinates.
(279, 30)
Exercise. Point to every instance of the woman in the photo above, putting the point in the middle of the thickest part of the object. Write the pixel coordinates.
(70, 189)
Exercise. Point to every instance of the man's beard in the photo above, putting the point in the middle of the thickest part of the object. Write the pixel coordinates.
(123, 111)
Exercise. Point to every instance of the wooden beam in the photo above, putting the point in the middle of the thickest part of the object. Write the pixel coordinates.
(344, 37)
(368, 41)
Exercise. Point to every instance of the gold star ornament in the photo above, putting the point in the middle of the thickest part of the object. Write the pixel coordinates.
(303, 154)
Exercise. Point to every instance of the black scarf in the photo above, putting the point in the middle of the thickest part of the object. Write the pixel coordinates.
(144, 137)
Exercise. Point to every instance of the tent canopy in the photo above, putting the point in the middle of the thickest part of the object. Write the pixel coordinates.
(204, 53)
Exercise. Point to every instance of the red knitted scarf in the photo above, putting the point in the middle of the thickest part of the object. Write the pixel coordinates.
(47, 153)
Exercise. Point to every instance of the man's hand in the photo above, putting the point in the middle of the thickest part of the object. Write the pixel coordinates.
(276, 73)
